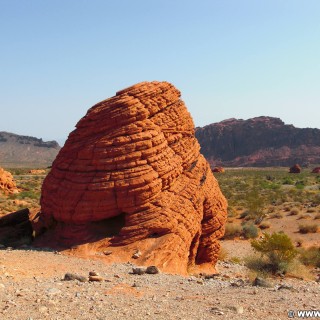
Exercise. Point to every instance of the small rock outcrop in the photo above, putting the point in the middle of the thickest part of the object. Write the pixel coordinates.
(130, 176)
(295, 169)
(7, 184)
(316, 170)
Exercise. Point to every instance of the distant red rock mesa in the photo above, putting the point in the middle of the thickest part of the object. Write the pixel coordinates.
(131, 176)
(295, 169)
(316, 170)
(258, 142)
(7, 184)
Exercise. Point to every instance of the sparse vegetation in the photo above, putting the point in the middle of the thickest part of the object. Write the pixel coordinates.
(308, 228)
(29, 195)
(310, 256)
(277, 251)
(232, 231)
(250, 231)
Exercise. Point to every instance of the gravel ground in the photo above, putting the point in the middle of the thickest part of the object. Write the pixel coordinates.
(32, 288)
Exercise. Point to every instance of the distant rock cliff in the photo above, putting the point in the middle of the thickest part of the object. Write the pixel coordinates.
(261, 141)
(19, 151)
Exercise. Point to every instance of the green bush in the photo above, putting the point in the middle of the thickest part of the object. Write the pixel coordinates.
(250, 231)
(232, 231)
(310, 256)
(277, 249)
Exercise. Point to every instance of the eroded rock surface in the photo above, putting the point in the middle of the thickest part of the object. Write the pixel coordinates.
(131, 176)
(7, 184)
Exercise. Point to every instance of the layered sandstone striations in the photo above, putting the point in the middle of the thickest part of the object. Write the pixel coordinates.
(131, 175)
(261, 141)
(7, 184)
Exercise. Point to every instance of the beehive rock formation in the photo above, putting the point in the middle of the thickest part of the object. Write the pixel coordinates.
(7, 184)
(131, 172)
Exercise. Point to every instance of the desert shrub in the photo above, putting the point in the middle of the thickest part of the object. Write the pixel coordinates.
(310, 256)
(223, 254)
(235, 260)
(311, 210)
(244, 214)
(232, 231)
(250, 231)
(277, 251)
(304, 216)
(264, 225)
(294, 212)
(276, 215)
(288, 180)
(255, 203)
(308, 228)
(300, 184)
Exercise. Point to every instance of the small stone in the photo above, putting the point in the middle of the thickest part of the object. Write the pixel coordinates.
(93, 273)
(217, 311)
(139, 270)
(53, 291)
(285, 286)
(237, 309)
(137, 254)
(259, 282)
(72, 276)
(43, 309)
(107, 253)
(238, 283)
(152, 270)
(95, 278)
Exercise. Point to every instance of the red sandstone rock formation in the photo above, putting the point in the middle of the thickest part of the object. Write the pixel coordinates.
(295, 169)
(218, 169)
(7, 184)
(37, 171)
(316, 170)
(131, 175)
(258, 142)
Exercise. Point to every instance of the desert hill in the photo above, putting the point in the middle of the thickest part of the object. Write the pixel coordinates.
(25, 151)
(261, 141)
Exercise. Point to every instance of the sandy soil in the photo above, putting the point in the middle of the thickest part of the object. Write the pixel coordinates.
(32, 288)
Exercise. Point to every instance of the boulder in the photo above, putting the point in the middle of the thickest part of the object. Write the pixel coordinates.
(131, 178)
(7, 184)
(295, 169)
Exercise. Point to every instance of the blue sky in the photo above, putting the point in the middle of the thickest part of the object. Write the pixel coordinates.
(229, 58)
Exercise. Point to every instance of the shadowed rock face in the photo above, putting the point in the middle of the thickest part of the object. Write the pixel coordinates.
(131, 172)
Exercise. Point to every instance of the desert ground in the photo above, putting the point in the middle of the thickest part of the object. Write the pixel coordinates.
(32, 284)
